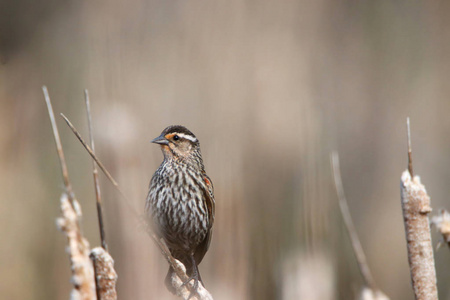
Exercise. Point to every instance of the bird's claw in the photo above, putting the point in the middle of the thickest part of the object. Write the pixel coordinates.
(194, 287)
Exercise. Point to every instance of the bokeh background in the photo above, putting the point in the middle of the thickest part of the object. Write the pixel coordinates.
(270, 88)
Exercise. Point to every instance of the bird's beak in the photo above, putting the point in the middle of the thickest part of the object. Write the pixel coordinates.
(160, 140)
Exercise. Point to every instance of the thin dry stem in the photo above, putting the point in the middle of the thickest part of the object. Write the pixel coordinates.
(410, 165)
(356, 244)
(88, 149)
(416, 207)
(105, 275)
(62, 160)
(95, 173)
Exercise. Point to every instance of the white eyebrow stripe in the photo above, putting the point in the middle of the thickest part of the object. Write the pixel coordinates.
(188, 137)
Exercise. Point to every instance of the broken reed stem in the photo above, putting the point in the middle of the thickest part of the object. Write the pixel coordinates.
(182, 289)
(356, 244)
(69, 223)
(95, 173)
(105, 275)
(416, 207)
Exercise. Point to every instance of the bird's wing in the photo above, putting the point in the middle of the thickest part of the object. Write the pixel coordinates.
(209, 198)
(201, 249)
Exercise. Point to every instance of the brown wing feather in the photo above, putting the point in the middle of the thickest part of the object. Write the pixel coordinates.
(210, 202)
(201, 249)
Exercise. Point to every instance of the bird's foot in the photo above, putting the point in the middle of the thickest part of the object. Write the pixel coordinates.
(194, 287)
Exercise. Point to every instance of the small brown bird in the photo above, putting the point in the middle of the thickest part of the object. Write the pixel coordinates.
(180, 202)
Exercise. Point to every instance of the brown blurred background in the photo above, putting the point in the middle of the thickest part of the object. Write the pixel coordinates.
(270, 88)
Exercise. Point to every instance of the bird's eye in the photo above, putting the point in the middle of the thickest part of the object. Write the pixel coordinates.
(176, 137)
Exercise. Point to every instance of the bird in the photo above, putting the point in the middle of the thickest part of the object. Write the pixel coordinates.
(180, 203)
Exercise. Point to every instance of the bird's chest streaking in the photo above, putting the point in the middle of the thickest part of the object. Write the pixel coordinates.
(177, 206)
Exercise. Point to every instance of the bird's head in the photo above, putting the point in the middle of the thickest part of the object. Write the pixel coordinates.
(178, 142)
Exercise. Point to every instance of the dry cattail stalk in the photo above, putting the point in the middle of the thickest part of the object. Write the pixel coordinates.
(78, 249)
(105, 275)
(416, 207)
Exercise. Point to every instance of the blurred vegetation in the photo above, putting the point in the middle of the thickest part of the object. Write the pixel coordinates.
(269, 87)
